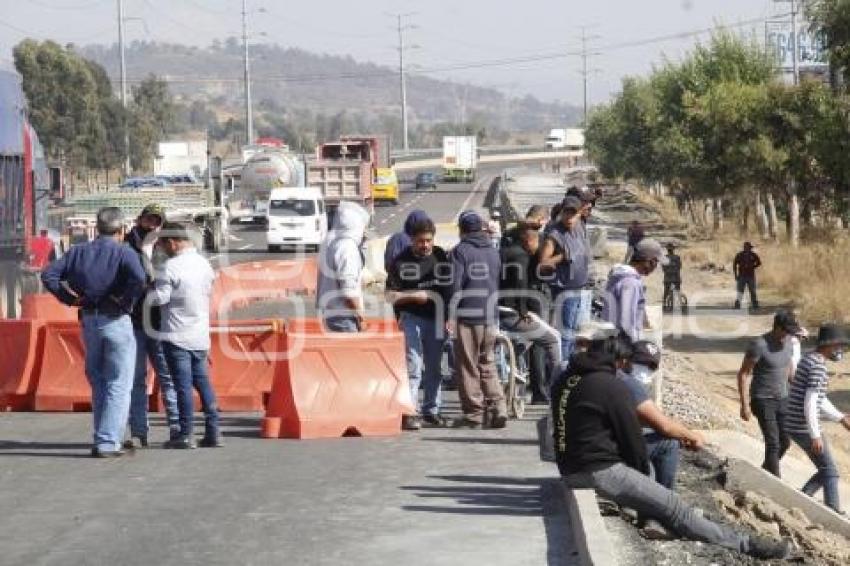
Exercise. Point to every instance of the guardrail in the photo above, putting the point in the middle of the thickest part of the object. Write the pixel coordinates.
(424, 153)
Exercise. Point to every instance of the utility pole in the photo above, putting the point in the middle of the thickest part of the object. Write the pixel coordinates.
(124, 87)
(401, 27)
(249, 117)
(585, 71)
(403, 85)
(794, 57)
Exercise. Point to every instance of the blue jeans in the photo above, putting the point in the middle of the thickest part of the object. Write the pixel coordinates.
(189, 369)
(110, 361)
(827, 475)
(148, 348)
(663, 454)
(571, 318)
(424, 352)
(341, 324)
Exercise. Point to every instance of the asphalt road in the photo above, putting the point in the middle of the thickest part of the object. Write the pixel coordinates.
(436, 497)
(247, 241)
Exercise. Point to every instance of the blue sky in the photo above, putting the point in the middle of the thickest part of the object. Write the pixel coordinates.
(447, 33)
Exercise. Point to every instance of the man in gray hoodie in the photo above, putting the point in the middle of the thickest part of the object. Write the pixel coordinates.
(625, 295)
(339, 296)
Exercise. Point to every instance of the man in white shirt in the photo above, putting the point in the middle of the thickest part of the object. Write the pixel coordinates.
(183, 288)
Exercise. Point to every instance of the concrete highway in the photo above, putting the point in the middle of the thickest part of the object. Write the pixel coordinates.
(247, 241)
(435, 497)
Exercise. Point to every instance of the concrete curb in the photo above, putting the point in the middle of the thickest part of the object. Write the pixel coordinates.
(744, 476)
(589, 533)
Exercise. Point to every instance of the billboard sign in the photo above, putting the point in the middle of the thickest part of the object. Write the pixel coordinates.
(811, 47)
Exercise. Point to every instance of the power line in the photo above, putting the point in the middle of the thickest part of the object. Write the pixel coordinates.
(506, 61)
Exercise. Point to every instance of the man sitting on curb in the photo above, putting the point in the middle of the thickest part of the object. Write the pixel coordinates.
(599, 445)
(806, 401)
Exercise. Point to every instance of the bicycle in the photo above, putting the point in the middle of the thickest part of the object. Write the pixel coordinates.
(673, 296)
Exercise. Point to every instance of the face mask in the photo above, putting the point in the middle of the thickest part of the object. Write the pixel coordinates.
(642, 373)
(836, 356)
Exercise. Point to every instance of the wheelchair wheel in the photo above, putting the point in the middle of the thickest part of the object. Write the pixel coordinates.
(506, 367)
(683, 304)
(668, 303)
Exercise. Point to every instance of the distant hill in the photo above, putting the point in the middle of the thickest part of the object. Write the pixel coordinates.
(325, 85)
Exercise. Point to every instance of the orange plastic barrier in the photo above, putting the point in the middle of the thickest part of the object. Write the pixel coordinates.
(61, 382)
(238, 285)
(244, 362)
(20, 352)
(44, 306)
(339, 384)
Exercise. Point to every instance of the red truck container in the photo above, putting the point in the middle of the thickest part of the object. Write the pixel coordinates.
(25, 185)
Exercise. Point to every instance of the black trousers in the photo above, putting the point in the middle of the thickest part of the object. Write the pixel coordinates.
(770, 413)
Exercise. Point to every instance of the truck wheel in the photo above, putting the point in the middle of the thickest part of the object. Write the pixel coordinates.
(11, 293)
(213, 237)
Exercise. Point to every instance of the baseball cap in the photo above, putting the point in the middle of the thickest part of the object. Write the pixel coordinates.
(571, 202)
(787, 322)
(470, 221)
(584, 194)
(748, 245)
(649, 249)
(153, 209)
(646, 353)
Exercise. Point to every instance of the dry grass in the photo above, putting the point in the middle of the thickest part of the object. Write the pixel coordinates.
(814, 277)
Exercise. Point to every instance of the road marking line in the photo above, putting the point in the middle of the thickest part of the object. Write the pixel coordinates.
(245, 247)
(234, 238)
(475, 188)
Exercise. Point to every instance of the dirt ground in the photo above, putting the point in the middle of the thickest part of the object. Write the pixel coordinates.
(704, 350)
(713, 338)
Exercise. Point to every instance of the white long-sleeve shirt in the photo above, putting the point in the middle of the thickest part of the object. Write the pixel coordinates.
(807, 401)
(183, 287)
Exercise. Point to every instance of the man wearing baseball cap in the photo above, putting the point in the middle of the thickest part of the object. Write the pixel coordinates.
(142, 238)
(625, 296)
(807, 401)
(474, 320)
(764, 376)
(565, 260)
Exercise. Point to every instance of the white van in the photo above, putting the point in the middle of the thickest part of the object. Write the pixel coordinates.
(296, 218)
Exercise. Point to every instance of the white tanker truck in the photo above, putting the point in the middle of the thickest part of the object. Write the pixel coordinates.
(269, 169)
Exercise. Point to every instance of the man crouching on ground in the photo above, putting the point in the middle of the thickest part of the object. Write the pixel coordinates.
(598, 444)
(183, 288)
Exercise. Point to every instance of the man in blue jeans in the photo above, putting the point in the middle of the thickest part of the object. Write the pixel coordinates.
(807, 401)
(565, 261)
(183, 288)
(418, 285)
(104, 279)
(142, 239)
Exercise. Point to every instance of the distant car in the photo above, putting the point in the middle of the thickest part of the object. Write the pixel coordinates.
(426, 181)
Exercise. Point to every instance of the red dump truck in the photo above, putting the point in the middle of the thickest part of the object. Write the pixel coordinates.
(27, 186)
(345, 169)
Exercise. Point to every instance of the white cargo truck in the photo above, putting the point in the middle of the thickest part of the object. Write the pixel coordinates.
(574, 139)
(460, 158)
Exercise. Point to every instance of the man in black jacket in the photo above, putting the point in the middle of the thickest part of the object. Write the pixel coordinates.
(598, 444)
(474, 321)
(521, 304)
(141, 238)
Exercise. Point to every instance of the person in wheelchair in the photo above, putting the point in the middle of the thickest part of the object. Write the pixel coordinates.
(521, 306)
(672, 275)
